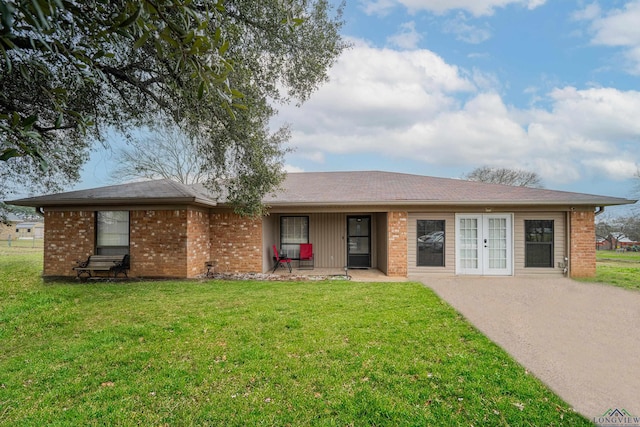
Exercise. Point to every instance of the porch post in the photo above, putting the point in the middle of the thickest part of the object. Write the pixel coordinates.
(583, 244)
(397, 223)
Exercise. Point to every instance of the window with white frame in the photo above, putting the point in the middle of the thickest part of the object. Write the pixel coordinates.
(112, 232)
(293, 231)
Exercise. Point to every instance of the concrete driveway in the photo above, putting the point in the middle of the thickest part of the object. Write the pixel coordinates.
(582, 340)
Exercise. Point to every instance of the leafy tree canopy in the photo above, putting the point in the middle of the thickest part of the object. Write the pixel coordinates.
(71, 70)
(25, 213)
(515, 177)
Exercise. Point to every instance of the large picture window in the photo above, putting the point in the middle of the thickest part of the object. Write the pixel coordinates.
(538, 243)
(430, 243)
(293, 231)
(112, 233)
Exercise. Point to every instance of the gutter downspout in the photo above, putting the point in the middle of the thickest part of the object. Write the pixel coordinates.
(599, 210)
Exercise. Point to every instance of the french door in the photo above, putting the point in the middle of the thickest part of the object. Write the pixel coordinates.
(484, 244)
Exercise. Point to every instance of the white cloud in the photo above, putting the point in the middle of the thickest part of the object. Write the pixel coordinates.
(479, 55)
(412, 105)
(407, 37)
(485, 80)
(600, 113)
(619, 27)
(377, 7)
(589, 13)
(372, 87)
(466, 32)
(475, 7)
(615, 168)
(616, 28)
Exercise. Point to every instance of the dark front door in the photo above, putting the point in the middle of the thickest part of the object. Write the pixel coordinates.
(359, 241)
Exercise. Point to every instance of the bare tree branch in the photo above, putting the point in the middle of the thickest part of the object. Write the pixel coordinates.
(515, 177)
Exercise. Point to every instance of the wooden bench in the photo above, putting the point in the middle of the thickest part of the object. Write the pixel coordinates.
(115, 264)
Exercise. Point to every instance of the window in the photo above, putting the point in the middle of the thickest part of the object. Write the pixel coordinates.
(112, 233)
(293, 231)
(538, 243)
(430, 243)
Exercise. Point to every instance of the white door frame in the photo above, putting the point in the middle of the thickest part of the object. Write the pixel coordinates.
(484, 244)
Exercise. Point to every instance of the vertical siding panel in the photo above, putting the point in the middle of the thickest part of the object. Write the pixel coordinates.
(270, 237)
(518, 242)
(326, 232)
(382, 236)
(449, 244)
(559, 242)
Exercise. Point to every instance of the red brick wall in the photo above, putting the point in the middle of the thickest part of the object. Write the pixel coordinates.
(158, 243)
(163, 243)
(397, 238)
(199, 243)
(68, 237)
(236, 243)
(583, 244)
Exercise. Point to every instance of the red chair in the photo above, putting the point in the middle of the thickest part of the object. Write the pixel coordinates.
(280, 262)
(306, 256)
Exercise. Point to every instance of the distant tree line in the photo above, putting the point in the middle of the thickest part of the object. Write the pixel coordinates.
(628, 226)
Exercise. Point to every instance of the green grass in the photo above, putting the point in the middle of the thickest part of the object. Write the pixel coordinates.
(251, 353)
(632, 257)
(20, 246)
(617, 268)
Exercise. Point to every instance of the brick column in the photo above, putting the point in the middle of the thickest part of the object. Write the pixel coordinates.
(583, 243)
(397, 223)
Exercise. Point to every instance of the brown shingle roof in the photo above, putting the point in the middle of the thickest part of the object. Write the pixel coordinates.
(333, 189)
(161, 191)
(344, 188)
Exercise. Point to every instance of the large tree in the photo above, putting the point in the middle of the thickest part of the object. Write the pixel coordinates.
(166, 152)
(71, 70)
(515, 177)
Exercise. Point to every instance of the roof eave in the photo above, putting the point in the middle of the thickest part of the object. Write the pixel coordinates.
(584, 202)
(115, 202)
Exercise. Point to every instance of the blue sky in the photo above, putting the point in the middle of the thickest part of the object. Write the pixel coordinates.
(440, 87)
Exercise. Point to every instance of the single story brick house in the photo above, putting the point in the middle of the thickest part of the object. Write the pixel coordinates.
(397, 223)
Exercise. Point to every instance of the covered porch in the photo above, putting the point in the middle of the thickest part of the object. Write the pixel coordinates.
(357, 240)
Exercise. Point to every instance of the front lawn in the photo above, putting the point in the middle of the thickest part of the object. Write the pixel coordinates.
(251, 353)
(617, 268)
